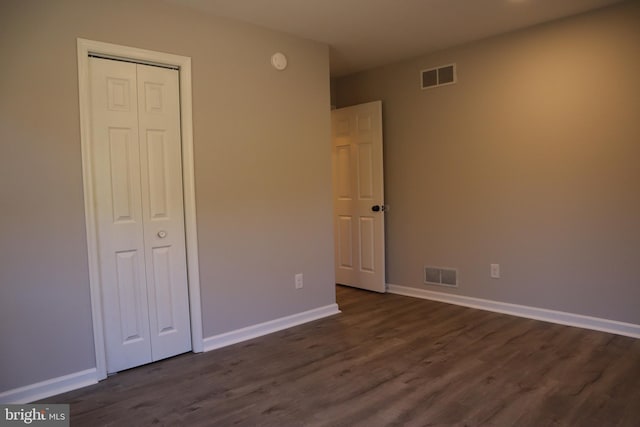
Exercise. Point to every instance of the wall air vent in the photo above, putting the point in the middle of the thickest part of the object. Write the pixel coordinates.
(441, 276)
(439, 76)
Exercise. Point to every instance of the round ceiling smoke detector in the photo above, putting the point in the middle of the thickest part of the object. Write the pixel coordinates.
(279, 61)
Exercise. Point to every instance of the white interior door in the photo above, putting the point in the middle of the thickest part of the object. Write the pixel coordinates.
(136, 158)
(358, 193)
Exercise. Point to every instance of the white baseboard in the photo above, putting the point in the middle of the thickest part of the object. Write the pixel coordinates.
(43, 389)
(559, 317)
(254, 331)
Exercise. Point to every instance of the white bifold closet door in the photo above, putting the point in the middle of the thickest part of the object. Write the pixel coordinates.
(137, 174)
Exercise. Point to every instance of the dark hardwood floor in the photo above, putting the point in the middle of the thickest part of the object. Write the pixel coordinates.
(386, 360)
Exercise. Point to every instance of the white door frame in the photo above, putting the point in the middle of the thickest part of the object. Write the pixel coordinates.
(183, 63)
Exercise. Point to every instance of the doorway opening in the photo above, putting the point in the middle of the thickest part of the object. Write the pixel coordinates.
(85, 49)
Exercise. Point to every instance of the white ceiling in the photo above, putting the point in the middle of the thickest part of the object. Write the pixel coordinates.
(364, 34)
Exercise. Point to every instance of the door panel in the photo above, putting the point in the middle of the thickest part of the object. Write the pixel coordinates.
(367, 244)
(358, 186)
(365, 171)
(115, 153)
(122, 192)
(157, 152)
(343, 171)
(164, 239)
(344, 239)
(131, 317)
(164, 302)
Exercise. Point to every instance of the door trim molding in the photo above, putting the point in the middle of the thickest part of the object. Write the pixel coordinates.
(183, 63)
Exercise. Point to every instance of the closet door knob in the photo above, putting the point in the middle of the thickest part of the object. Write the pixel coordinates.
(162, 234)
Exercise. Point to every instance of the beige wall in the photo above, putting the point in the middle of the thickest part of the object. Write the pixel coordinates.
(262, 165)
(531, 161)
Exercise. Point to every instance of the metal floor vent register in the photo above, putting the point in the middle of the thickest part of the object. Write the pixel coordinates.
(441, 276)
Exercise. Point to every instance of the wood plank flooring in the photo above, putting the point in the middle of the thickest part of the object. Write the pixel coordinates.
(387, 360)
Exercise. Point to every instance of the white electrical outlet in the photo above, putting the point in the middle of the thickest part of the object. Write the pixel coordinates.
(298, 281)
(495, 271)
